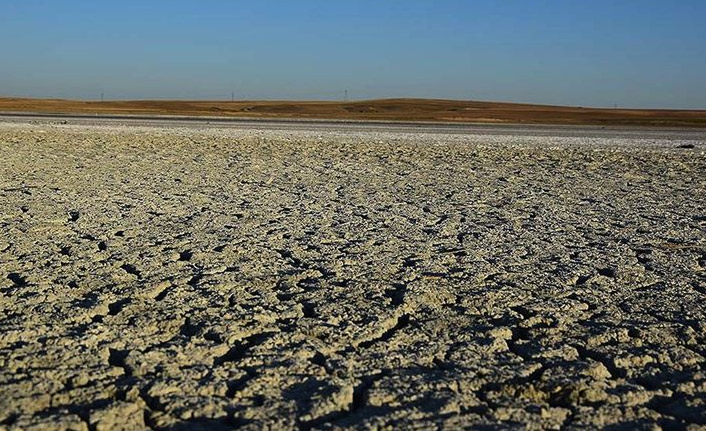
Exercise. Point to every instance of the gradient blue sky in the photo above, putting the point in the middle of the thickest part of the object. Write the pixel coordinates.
(641, 53)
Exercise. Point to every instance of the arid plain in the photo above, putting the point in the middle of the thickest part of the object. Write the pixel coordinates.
(416, 110)
(211, 278)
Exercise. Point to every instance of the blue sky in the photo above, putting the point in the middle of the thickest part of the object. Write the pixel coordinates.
(641, 53)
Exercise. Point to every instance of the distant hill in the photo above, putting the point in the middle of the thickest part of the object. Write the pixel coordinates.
(384, 110)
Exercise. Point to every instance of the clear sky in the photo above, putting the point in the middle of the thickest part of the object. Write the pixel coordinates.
(639, 53)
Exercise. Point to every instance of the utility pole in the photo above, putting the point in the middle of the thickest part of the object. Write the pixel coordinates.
(101, 97)
(232, 96)
(345, 95)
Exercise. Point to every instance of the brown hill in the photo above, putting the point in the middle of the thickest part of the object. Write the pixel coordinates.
(384, 110)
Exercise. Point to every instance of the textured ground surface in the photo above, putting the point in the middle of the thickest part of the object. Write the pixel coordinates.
(205, 279)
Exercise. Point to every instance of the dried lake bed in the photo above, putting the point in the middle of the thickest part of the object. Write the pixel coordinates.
(217, 278)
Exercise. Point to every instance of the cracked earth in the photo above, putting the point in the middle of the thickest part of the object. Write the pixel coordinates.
(212, 279)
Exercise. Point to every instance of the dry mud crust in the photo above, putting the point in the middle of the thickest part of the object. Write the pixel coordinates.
(189, 279)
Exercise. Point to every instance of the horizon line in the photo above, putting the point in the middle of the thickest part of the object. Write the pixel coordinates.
(349, 101)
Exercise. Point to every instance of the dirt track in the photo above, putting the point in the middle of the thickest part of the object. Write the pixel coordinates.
(212, 279)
